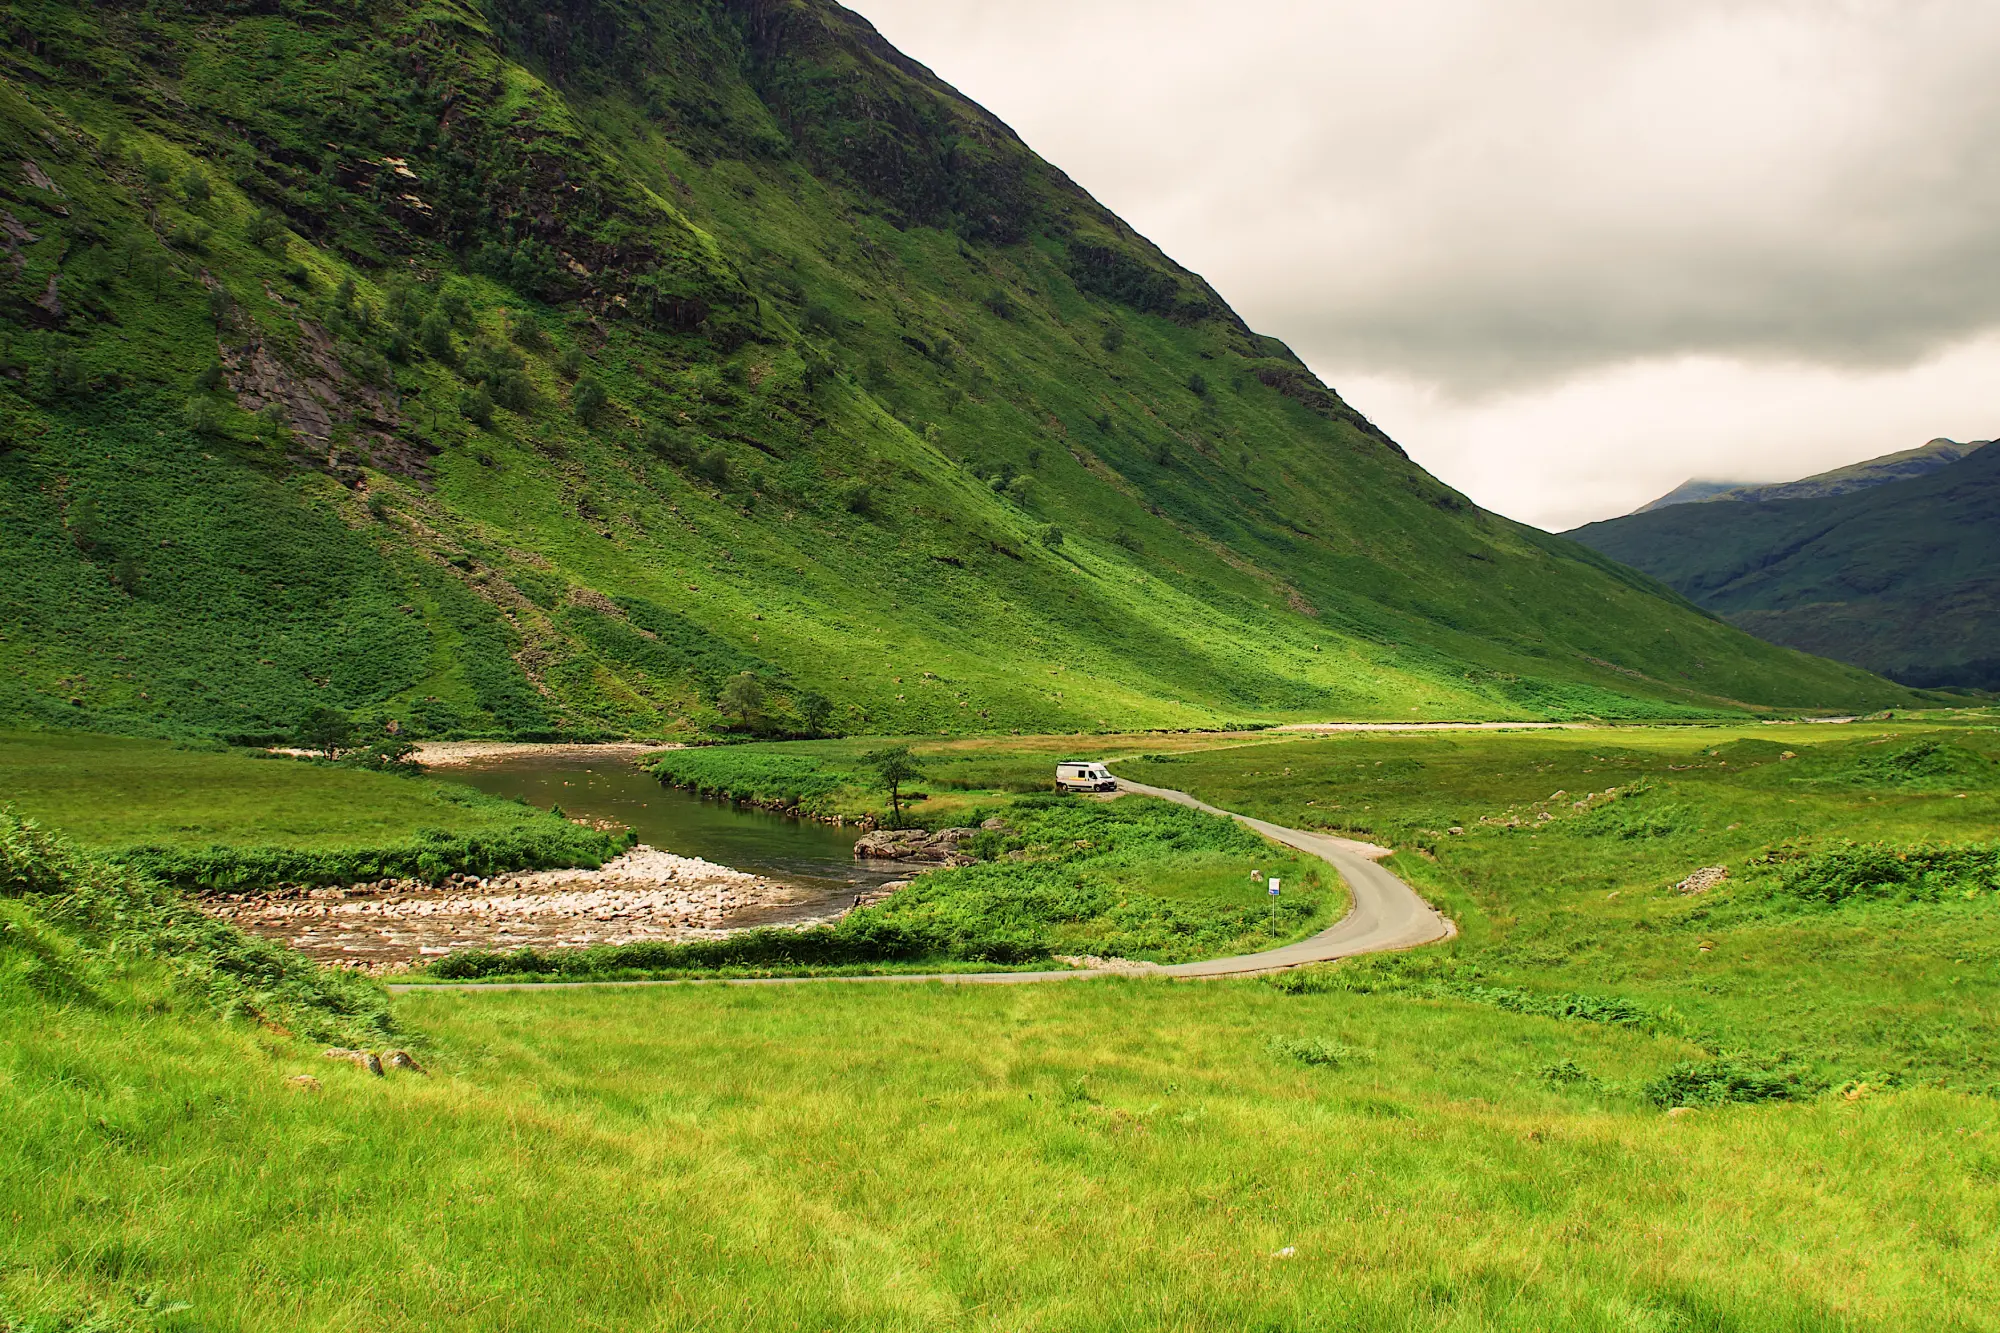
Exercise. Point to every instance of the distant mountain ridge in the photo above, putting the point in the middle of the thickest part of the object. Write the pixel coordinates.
(1902, 466)
(1899, 576)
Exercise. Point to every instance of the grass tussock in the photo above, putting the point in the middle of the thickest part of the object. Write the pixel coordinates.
(76, 929)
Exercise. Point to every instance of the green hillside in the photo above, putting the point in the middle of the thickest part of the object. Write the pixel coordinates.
(1901, 578)
(548, 371)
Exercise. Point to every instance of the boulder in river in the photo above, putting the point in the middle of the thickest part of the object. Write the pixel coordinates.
(936, 848)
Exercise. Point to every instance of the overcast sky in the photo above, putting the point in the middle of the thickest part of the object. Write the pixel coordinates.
(1568, 252)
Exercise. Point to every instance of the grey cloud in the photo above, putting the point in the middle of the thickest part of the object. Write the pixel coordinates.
(1488, 196)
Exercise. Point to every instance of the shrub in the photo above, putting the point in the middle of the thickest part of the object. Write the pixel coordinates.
(1305, 981)
(1565, 1074)
(713, 465)
(570, 363)
(31, 860)
(476, 405)
(589, 401)
(525, 332)
(1637, 813)
(666, 442)
(195, 188)
(537, 844)
(858, 497)
(737, 774)
(265, 226)
(91, 915)
(1724, 1080)
(1314, 1051)
(389, 755)
(820, 319)
(67, 377)
(327, 730)
(203, 416)
(1883, 873)
(1197, 385)
(434, 336)
(1052, 536)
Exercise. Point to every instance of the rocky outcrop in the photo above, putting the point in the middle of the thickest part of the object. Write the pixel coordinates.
(317, 396)
(366, 1060)
(1702, 880)
(939, 848)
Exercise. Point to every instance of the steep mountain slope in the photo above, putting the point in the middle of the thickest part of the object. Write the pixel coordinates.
(659, 365)
(1902, 578)
(1918, 462)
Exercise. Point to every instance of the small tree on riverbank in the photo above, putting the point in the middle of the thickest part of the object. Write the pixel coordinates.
(743, 699)
(327, 730)
(893, 767)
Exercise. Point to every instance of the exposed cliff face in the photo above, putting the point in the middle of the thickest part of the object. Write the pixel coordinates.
(559, 368)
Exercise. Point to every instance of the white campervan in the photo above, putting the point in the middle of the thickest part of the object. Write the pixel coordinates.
(1084, 775)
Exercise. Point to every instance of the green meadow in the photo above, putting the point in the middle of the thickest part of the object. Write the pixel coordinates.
(1609, 1104)
(203, 816)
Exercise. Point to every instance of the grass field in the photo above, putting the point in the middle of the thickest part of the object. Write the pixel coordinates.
(214, 817)
(111, 792)
(1468, 1137)
(1563, 874)
(1100, 1155)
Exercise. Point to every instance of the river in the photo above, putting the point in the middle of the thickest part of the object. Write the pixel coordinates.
(814, 857)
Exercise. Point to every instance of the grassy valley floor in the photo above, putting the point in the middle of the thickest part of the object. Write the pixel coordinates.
(1118, 1155)
(1619, 1100)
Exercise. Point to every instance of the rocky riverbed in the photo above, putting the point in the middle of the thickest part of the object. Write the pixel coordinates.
(646, 894)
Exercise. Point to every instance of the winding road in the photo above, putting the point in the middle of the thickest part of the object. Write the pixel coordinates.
(1386, 915)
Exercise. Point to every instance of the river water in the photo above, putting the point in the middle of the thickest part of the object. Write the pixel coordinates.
(812, 856)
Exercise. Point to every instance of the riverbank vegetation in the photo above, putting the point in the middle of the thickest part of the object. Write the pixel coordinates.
(1134, 878)
(835, 779)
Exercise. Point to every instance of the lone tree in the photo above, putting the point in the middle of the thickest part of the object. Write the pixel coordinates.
(815, 710)
(893, 767)
(743, 698)
(327, 730)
